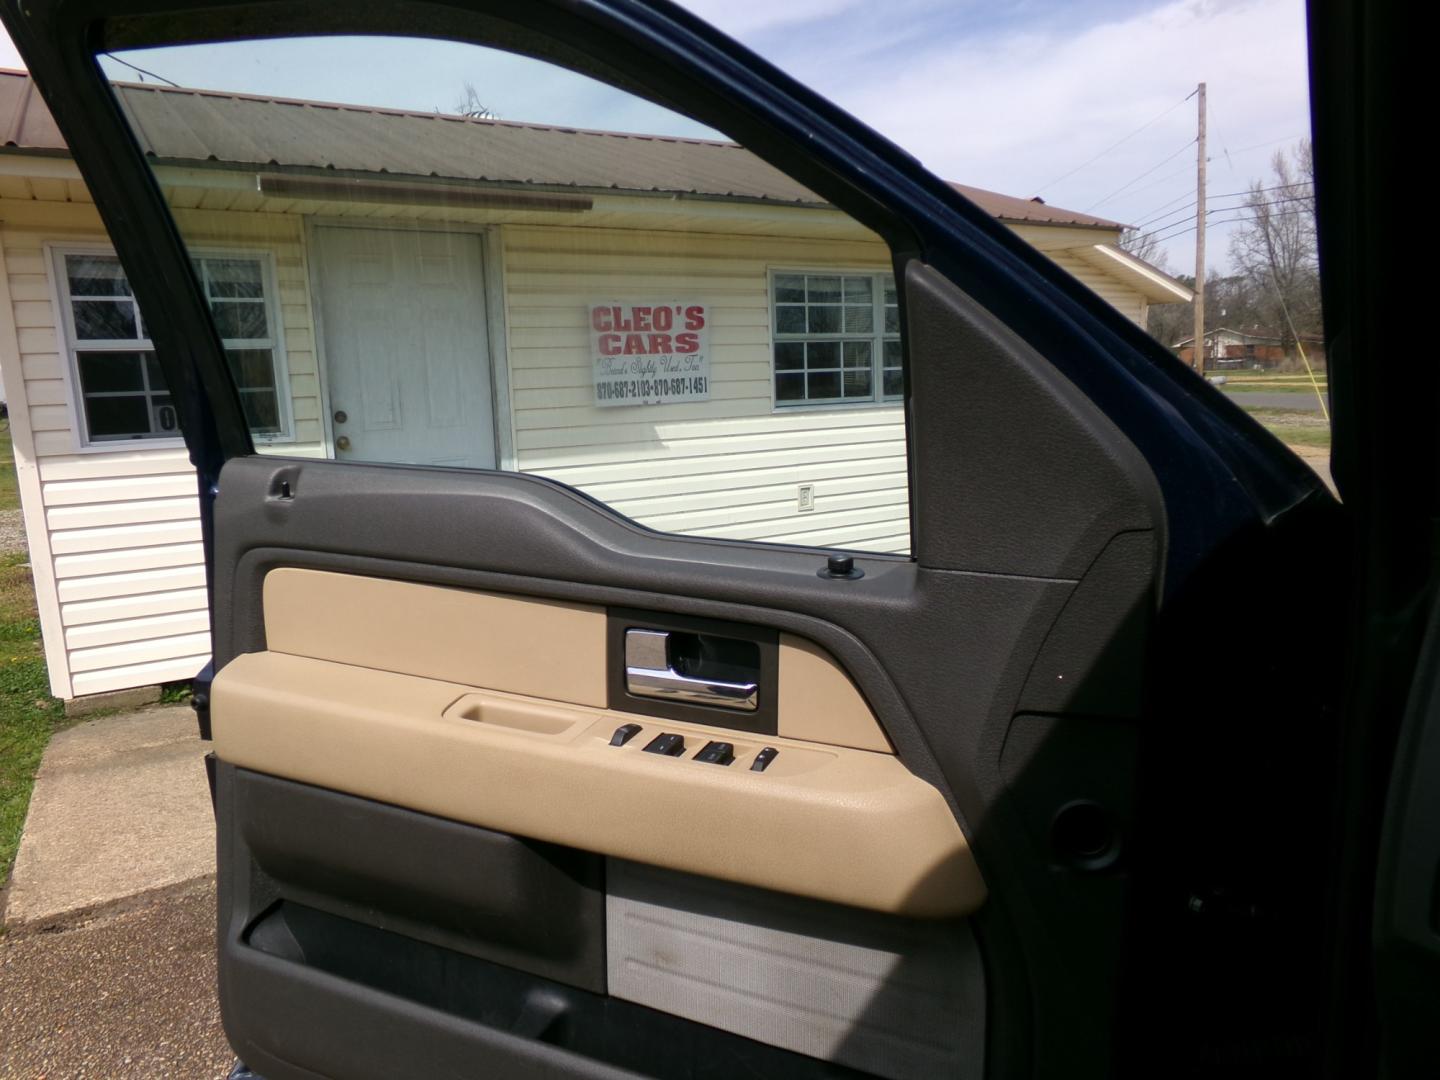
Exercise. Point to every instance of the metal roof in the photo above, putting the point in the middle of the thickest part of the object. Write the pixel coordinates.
(185, 126)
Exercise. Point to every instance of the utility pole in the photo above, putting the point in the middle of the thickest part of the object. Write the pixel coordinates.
(1199, 350)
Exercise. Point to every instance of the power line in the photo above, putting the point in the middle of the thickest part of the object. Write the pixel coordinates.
(1215, 130)
(1171, 231)
(1210, 212)
(1164, 179)
(142, 71)
(1223, 195)
(1147, 172)
(1226, 152)
(1168, 213)
(1182, 210)
(1256, 191)
(1272, 142)
(1185, 171)
(1112, 146)
(1170, 202)
(1155, 233)
(1165, 236)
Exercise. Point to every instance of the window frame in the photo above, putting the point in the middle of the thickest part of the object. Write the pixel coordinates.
(878, 337)
(69, 343)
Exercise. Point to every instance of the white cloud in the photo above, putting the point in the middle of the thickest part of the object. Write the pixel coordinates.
(1014, 105)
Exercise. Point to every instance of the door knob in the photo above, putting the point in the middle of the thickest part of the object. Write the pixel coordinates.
(342, 443)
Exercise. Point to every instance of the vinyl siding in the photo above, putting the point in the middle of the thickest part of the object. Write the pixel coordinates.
(1125, 299)
(121, 536)
(728, 467)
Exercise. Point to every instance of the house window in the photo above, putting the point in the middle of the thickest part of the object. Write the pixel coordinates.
(837, 338)
(122, 392)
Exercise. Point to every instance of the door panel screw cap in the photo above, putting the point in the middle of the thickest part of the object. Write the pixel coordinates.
(841, 566)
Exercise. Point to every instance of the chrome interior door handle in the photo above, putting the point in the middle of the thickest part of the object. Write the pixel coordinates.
(649, 673)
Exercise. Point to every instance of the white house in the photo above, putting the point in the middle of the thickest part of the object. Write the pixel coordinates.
(534, 261)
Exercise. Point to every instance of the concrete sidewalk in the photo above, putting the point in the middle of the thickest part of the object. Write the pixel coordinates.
(120, 808)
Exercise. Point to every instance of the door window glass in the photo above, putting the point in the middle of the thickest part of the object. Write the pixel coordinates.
(487, 261)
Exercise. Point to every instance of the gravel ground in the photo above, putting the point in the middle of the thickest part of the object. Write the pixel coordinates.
(12, 531)
(125, 994)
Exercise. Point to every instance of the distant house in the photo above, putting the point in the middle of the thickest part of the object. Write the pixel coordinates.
(509, 239)
(1237, 350)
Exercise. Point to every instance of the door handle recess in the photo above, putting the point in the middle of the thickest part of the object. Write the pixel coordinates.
(650, 673)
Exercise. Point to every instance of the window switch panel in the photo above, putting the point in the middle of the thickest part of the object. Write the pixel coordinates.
(763, 759)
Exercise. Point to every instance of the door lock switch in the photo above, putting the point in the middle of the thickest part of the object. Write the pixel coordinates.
(668, 744)
(624, 733)
(763, 759)
(716, 753)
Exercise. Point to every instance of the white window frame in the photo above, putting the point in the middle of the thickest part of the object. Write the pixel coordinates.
(878, 336)
(70, 344)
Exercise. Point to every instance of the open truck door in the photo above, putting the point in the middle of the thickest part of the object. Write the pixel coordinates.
(540, 748)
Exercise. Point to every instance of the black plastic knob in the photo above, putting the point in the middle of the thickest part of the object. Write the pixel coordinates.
(841, 566)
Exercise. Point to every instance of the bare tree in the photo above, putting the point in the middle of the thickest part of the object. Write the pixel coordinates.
(1230, 304)
(1146, 246)
(470, 105)
(1170, 324)
(1274, 247)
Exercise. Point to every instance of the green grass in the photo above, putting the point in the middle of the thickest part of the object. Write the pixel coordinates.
(177, 693)
(9, 486)
(1306, 437)
(1268, 414)
(28, 714)
(1274, 382)
(1295, 427)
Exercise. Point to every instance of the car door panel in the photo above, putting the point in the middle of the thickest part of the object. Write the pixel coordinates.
(311, 991)
(893, 996)
(515, 536)
(539, 770)
(451, 530)
(535, 906)
(1049, 479)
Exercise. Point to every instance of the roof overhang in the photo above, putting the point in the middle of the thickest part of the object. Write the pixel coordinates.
(312, 185)
(1155, 285)
(1060, 223)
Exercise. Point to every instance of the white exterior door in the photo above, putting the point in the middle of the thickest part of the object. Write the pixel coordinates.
(407, 352)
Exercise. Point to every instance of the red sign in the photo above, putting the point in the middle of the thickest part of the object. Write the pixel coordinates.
(650, 354)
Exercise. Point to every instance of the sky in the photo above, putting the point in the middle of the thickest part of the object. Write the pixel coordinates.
(1084, 104)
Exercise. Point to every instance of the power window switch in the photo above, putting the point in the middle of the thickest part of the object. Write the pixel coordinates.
(717, 753)
(670, 745)
(624, 733)
(763, 759)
